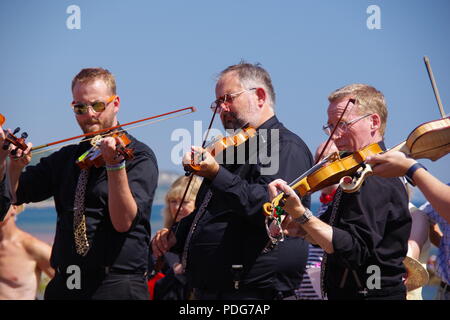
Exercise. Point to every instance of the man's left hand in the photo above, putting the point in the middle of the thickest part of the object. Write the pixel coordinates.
(109, 151)
(208, 166)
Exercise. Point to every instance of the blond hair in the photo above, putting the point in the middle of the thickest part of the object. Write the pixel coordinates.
(368, 99)
(176, 192)
(89, 75)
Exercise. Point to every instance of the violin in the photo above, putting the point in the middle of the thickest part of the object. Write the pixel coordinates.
(325, 173)
(430, 140)
(93, 157)
(220, 143)
(10, 138)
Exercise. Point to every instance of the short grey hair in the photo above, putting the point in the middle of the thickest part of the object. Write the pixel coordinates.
(253, 76)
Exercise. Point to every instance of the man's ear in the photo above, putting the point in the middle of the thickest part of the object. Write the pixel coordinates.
(375, 122)
(116, 102)
(262, 96)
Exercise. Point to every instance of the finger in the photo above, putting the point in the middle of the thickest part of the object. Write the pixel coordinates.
(28, 150)
(374, 159)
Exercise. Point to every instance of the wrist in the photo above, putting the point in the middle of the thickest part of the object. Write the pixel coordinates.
(116, 166)
(412, 170)
(304, 217)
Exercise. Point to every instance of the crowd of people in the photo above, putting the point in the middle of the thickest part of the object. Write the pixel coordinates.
(216, 243)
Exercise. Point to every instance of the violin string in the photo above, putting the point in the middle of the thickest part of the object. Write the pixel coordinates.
(106, 134)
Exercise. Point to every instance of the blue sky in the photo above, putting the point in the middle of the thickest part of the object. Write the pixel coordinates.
(166, 54)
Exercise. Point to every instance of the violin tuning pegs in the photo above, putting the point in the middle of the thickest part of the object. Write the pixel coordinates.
(6, 145)
(16, 130)
(24, 135)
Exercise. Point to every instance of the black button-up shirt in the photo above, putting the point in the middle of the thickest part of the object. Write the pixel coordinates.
(232, 229)
(57, 176)
(370, 231)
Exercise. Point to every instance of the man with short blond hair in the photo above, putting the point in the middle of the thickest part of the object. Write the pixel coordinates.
(102, 235)
(365, 233)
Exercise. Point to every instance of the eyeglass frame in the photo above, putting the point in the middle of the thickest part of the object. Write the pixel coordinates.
(343, 125)
(90, 105)
(223, 99)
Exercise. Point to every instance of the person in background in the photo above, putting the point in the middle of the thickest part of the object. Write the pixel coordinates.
(23, 259)
(170, 284)
(396, 164)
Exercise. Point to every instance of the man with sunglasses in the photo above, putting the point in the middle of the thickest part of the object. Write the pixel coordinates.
(364, 234)
(102, 234)
(224, 243)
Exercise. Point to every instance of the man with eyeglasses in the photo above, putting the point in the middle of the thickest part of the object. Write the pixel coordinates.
(101, 243)
(364, 234)
(222, 243)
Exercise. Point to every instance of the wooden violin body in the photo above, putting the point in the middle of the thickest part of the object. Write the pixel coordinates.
(218, 145)
(93, 157)
(329, 172)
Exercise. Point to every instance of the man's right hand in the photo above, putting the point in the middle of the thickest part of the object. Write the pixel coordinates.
(163, 240)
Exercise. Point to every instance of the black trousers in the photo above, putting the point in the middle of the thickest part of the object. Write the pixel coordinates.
(98, 286)
(243, 294)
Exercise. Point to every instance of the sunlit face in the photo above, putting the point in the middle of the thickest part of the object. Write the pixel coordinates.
(243, 109)
(90, 92)
(358, 135)
(187, 207)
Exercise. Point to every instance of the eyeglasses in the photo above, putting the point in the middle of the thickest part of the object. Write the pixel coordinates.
(343, 125)
(97, 106)
(226, 100)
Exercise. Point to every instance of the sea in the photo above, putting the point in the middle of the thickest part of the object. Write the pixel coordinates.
(41, 223)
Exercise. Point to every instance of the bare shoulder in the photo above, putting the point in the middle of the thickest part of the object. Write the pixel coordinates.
(34, 246)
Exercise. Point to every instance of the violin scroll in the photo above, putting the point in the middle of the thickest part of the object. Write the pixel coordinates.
(10, 138)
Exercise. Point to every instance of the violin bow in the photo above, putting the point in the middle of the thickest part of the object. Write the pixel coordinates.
(190, 109)
(191, 175)
(159, 261)
(353, 100)
(433, 84)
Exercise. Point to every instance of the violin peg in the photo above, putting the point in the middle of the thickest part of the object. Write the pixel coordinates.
(16, 130)
(24, 135)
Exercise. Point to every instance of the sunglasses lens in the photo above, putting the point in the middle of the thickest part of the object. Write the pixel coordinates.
(98, 106)
(80, 108)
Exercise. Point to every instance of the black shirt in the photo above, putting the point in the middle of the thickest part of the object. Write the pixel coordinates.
(232, 229)
(4, 201)
(57, 176)
(371, 228)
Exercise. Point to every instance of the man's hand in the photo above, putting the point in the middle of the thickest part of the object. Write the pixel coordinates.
(163, 240)
(19, 158)
(201, 157)
(109, 151)
(390, 164)
(293, 206)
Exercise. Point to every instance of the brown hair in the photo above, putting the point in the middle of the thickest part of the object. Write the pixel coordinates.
(91, 74)
(368, 99)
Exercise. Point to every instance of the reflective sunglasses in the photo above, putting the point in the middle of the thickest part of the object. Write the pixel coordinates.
(97, 106)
